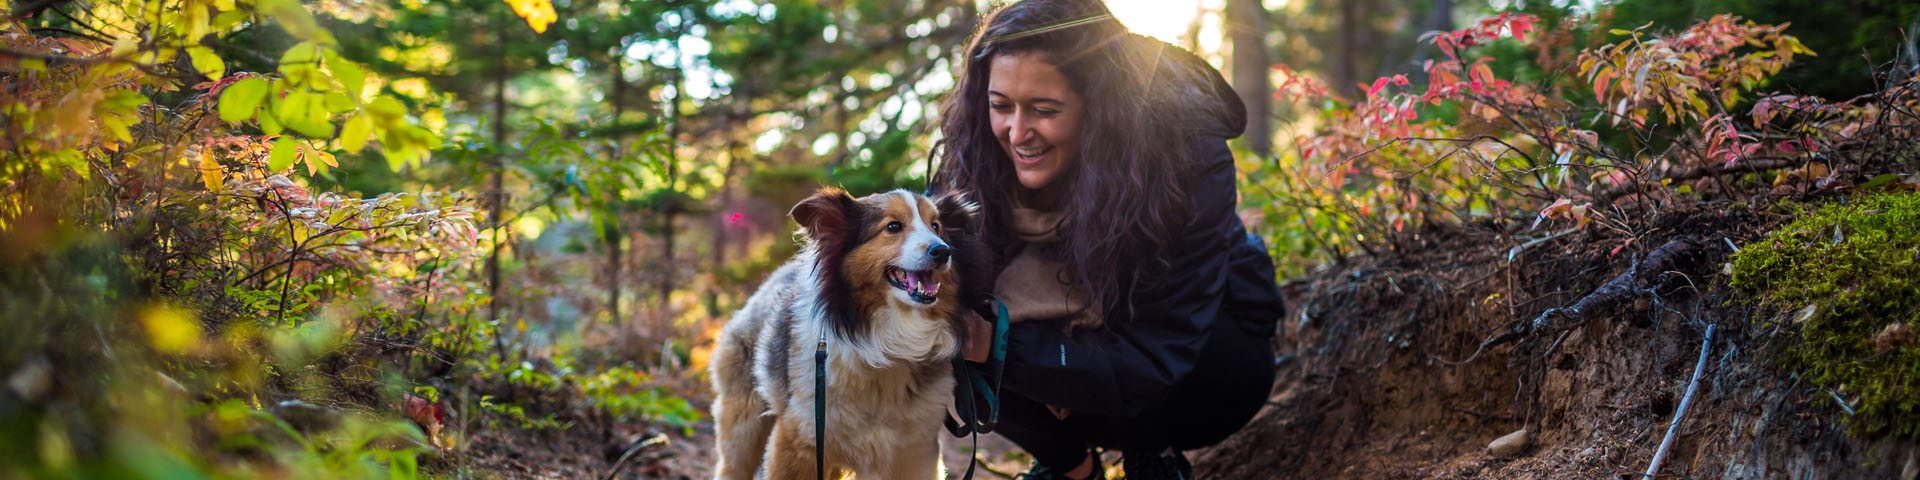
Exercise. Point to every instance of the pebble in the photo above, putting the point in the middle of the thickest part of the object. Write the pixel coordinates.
(1510, 445)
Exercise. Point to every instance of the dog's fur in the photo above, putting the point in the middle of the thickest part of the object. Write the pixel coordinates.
(889, 353)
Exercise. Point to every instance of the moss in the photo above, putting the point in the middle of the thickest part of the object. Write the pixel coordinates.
(1861, 285)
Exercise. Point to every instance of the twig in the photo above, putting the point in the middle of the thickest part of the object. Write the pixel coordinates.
(1673, 430)
(653, 441)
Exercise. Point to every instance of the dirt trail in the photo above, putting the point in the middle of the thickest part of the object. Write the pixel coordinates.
(1374, 391)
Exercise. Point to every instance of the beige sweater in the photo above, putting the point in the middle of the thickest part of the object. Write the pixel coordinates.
(1036, 286)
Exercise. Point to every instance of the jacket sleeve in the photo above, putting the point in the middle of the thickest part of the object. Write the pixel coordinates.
(1134, 361)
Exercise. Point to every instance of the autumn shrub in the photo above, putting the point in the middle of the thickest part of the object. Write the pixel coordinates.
(1607, 137)
(1613, 137)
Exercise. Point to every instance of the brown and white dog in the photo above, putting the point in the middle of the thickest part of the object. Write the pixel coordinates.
(879, 281)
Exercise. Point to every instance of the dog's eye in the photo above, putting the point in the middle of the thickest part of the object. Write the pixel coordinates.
(935, 226)
(894, 227)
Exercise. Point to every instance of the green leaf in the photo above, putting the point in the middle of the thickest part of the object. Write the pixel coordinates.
(337, 102)
(269, 125)
(292, 107)
(353, 136)
(207, 62)
(240, 99)
(1879, 181)
(348, 73)
(282, 156)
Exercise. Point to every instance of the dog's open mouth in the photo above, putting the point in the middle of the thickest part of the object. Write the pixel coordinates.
(919, 285)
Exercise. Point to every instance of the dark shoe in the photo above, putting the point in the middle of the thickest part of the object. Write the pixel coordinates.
(1169, 466)
(1041, 472)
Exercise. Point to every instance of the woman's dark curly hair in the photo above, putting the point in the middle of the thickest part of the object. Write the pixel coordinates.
(1123, 204)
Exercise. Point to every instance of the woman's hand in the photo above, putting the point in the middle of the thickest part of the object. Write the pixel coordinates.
(978, 344)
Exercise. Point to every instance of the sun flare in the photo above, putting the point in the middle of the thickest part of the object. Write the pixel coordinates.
(1163, 19)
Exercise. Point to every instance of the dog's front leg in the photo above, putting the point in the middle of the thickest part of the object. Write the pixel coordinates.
(790, 457)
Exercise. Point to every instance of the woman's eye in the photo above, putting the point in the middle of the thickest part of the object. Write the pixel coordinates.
(893, 227)
(1047, 113)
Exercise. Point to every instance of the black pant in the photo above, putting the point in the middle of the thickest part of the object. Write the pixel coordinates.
(1225, 389)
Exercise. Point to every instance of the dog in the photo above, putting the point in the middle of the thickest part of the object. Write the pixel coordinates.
(882, 281)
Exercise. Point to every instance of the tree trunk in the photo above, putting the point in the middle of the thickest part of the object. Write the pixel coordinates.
(497, 196)
(1247, 31)
(615, 230)
(672, 206)
(1346, 74)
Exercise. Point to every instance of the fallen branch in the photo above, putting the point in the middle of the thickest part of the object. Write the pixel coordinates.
(1673, 430)
(1614, 291)
(1746, 166)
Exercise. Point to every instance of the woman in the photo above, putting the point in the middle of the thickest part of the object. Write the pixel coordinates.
(1142, 309)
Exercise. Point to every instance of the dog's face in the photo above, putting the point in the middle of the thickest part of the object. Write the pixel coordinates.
(896, 249)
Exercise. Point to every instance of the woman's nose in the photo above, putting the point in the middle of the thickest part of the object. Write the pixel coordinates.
(1019, 130)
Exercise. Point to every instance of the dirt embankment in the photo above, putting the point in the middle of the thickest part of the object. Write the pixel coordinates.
(1379, 388)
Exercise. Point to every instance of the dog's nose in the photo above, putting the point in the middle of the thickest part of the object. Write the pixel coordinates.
(940, 252)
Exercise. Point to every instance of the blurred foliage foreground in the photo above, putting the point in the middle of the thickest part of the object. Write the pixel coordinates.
(178, 302)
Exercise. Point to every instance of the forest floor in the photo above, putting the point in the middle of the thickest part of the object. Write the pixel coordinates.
(1410, 362)
(1384, 383)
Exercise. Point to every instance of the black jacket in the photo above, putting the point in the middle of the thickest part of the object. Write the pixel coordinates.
(1220, 282)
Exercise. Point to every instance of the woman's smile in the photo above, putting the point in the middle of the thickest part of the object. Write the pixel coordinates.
(1030, 155)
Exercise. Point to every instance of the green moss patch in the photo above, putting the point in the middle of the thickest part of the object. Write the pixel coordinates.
(1847, 278)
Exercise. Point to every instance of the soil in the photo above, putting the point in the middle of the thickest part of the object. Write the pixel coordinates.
(1384, 383)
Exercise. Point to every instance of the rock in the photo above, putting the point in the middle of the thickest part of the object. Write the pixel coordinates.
(1510, 445)
(1587, 455)
(31, 380)
(306, 417)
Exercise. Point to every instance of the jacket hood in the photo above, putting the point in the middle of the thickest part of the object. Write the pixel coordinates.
(1215, 108)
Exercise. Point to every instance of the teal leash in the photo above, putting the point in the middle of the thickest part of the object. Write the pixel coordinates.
(975, 384)
(820, 408)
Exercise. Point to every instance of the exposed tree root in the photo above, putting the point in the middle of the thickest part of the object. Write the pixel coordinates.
(1622, 287)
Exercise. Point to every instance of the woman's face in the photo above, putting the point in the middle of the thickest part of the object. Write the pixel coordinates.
(1036, 116)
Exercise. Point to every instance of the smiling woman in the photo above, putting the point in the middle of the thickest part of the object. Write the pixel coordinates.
(1139, 309)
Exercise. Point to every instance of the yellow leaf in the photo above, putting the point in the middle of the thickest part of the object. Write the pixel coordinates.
(538, 13)
(239, 100)
(124, 46)
(171, 330)
(354, 134)
(283, 154)
(207, 62)
(210, 172)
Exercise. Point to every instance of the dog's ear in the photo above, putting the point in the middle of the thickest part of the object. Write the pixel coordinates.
(959, 212)
(828, 212)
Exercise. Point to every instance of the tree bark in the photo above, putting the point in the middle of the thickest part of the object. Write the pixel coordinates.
(615, 230)
(1247, 31)
(1346, 74)
(672, 206)
(497, 196)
